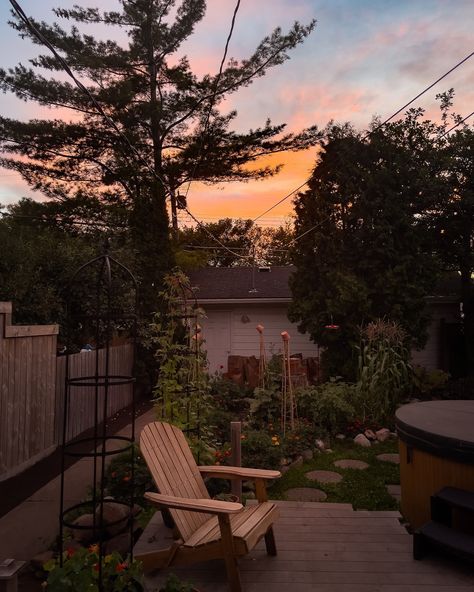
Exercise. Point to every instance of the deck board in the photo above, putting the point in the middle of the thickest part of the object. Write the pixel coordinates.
(327, 548)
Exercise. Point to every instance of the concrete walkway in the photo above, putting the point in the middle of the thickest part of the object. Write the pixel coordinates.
(33, 525)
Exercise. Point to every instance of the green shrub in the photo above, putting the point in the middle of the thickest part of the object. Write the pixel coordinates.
(428, 381)
(119, 474)
(260, 450)
(328, 406)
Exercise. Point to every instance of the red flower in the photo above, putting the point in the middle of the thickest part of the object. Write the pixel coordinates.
(114, 474)
(126, 478)
(70, 552)
(120, 567)
(95, 567)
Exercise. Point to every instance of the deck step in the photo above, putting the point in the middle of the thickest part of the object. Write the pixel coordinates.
(448, 539)
(457, 498)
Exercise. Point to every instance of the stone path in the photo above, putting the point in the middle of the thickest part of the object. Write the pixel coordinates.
(324, 476)
(349, 463)
(395, 491)
(390, 457)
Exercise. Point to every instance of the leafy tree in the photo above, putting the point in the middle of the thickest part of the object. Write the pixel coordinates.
(365, 256)
(38, 260)
(164, 110)
(240, 237)
(450, 220)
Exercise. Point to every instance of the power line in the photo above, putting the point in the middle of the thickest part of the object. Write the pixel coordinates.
(456, 125)
(373, 131)
(19, 11)
(65, 66)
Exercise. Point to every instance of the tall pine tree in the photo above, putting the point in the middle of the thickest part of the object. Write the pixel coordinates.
(166, 112)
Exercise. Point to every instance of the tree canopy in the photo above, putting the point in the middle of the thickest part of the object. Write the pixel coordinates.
(366, 255)
(168, 114)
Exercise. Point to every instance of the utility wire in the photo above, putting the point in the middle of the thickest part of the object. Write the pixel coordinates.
(456, 125)
(373, 131)
(65, 66)
(21, 14)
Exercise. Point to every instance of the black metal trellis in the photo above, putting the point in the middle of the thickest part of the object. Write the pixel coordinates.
(102, 301)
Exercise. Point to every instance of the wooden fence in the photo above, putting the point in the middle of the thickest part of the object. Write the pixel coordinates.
(82, 398)
(32, 391)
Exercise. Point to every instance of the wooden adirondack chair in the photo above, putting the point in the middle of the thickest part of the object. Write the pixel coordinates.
(206, 529)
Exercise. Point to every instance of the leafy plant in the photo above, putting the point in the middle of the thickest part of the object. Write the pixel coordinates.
(80, 572)
(174, 584)
(426, 381)
(118, 477)
(384, 376)
(181, 390)
(260, 450)
(328, 406)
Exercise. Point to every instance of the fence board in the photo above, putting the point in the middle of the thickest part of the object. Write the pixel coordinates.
(32, 390)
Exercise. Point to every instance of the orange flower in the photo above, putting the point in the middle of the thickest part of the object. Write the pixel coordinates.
(94, 549)
(126, 478)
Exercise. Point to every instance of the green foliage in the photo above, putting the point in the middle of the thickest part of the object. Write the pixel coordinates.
(228, 402)
(385, 376)
(301, 438)
(260, 450)
(174, 584)
(366, 256)
(181, 392)
(118, 477)
(329, 406)
(427, 381)
(80, 572)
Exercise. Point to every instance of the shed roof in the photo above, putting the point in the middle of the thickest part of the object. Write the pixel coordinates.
(242, 283)
(271, 283)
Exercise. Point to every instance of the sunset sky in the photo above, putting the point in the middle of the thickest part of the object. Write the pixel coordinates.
(365, 58)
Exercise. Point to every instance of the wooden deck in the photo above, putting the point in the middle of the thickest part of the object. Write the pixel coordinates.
(327, 548)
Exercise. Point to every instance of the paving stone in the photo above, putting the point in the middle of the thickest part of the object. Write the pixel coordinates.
(305, 494)
(324, 476)
(395, 491)
(350, 463)
(392, 457)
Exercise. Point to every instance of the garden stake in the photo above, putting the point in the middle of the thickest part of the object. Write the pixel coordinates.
(262, 362)
(288, 403)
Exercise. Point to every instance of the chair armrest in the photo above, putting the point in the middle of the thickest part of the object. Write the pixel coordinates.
(207, 506)
(238, 472)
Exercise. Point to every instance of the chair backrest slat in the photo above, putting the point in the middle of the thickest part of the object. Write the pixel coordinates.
(174, 471)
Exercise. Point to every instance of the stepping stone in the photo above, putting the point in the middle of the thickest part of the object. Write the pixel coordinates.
(390, 457)
(305, 494)
(395, 491)
(324, 476)
(350, 463)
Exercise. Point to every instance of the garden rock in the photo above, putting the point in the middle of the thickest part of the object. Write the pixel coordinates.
(391, 457)
(324, 476)
(362, 440)
(340, 437)
(320, 445)
(305, 494)
(350, 463)
(328, 451)
(114, 513)
(85, 534)
(370, 435)
(382, 434)
(307, 454)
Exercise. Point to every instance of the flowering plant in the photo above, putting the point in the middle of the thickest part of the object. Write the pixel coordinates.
(80, 572)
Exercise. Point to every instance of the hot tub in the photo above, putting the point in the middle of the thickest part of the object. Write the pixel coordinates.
(436, 442)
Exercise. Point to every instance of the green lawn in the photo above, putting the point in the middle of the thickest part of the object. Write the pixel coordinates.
(364, 489)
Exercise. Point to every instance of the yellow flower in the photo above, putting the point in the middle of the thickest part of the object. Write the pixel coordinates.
(108, 558)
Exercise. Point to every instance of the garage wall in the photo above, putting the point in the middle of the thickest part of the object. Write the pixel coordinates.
(231, 331)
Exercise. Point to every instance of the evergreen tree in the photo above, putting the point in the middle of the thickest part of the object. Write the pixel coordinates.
(367, 258)
(166, 112)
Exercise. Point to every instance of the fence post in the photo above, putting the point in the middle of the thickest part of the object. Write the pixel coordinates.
(236, 446)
